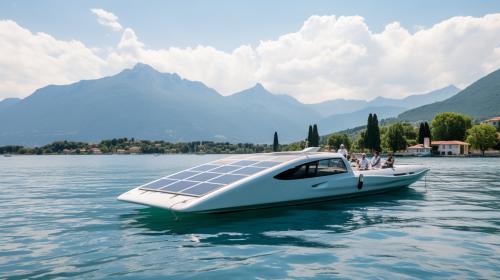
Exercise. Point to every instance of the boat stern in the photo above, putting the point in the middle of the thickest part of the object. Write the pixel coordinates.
(163, 200)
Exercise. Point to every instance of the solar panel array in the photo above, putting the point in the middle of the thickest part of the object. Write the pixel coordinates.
(206, 178)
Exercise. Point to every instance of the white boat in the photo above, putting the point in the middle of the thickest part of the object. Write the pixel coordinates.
(267, 180)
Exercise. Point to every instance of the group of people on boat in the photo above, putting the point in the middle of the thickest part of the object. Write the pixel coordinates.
(363, 163)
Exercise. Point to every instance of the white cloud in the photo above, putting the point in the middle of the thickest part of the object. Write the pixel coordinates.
(328, 57)
(107, 19)
(29, 61)
(333, 57)
(227, 72)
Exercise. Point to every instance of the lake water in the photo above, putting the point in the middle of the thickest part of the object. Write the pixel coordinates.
(59, 217)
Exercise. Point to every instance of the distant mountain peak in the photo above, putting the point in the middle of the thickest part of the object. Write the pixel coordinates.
(145, 70)
(259, 86)
(143, 67)
(451, 87)
(257, 89)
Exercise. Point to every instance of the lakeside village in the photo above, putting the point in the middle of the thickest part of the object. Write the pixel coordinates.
(449, 134)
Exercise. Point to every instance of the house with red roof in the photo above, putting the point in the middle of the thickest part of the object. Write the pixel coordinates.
(451, 148)
(494, 122)
(420, 149)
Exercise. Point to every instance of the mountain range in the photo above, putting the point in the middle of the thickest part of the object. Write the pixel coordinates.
(342, 106)
(480, 100)
(146, 104)
(7, 102)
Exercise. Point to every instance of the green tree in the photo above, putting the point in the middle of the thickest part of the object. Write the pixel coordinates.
(421, 133)
(360, 141)
(310, 136)
(427, 130)
(276, 144)
(369, 132)
(376, 133)
(395, 137)
(482, 137)
(315, 136)
(184, 148)
(335, 140)
(409, 131)
(450, 126)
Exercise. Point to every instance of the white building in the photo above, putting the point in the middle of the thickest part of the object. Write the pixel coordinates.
(451, 148)
(420, 149)
(494, 122)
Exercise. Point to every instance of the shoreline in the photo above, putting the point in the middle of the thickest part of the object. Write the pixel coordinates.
(201, 154)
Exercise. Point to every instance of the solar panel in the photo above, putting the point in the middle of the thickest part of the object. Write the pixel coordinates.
(225, 161)
(249, 170)
(157, 184)
(183, 175)
(204, 167)
(202, 189)
(178, 186)
(227, 179)
(266, 164)
(206, 178)
(261, 157)
(202, 177)
(245, 162)
(225, 169)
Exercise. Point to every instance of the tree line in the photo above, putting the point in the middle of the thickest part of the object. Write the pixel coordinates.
(131, 145)
(392, 137)
(399, 135)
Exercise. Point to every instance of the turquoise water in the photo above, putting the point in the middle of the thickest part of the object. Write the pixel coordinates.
(59, 217)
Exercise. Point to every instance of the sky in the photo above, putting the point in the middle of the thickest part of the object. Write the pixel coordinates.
(311, 50)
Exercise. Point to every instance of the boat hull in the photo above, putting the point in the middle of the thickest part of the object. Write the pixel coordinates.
(298, 202)
(372, 184)
(266, 192)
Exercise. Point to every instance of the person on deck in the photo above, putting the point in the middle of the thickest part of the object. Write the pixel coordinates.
(389, 163)
(376, 161)
(353, 160)
(343, 151)
(363, 164)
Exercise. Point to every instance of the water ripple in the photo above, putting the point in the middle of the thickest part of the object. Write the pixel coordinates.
(60, 218)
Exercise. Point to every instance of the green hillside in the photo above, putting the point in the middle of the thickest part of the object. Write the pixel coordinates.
(480, 100)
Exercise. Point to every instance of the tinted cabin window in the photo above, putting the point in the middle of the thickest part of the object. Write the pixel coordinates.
(314, 169)
(331, 167)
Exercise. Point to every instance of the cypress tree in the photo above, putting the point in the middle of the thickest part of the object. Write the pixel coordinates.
(369, 133)
(309, 136)
(421, 133)
(376, 133)
(427, 130)
(315, 136)
(276, 144)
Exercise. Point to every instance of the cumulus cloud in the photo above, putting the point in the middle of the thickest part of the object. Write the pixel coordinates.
(29, 61)
(226, 72)
(332, 57)
(107, 19)
(328, 57)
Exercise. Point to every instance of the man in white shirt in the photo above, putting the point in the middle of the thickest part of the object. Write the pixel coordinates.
(363, 163)
(343, 151)
(376, 162)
